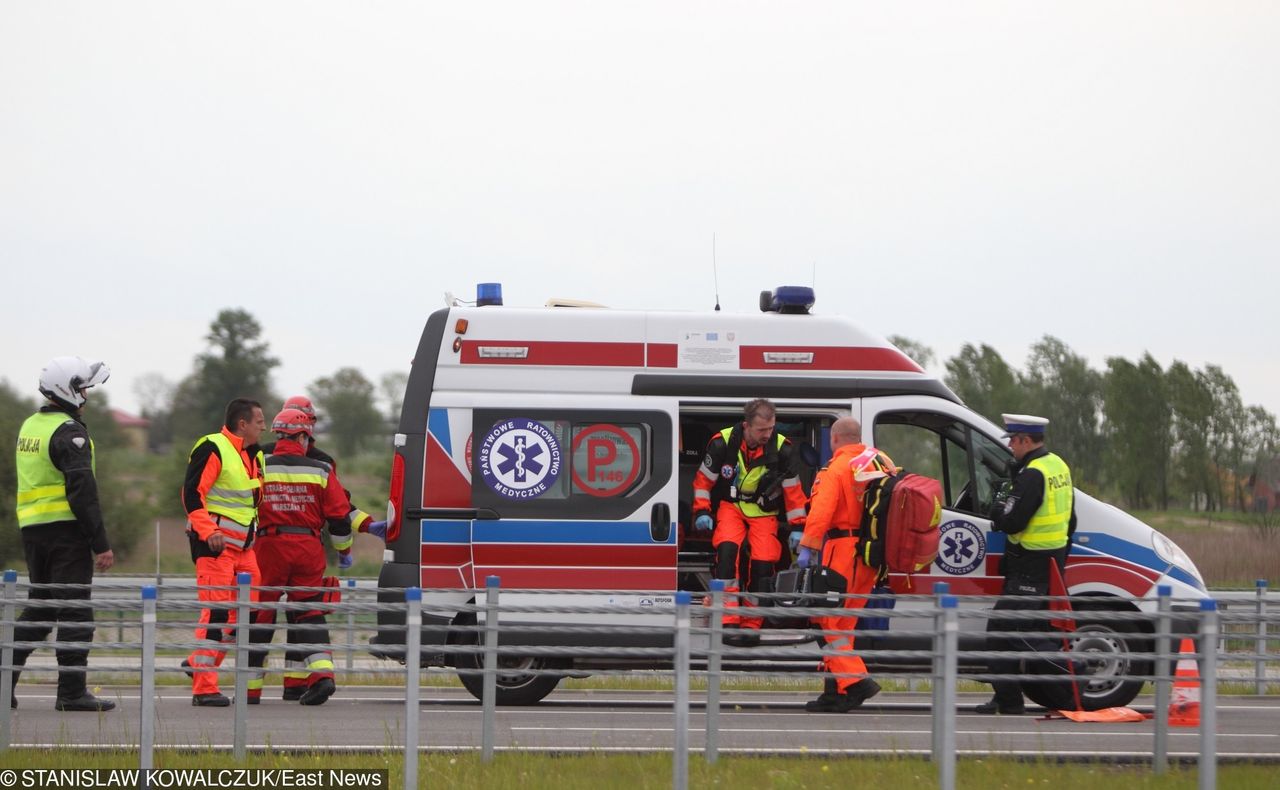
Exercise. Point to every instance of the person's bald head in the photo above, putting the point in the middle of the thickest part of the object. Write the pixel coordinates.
(845, 430)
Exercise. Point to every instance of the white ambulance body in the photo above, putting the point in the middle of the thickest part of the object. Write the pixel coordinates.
(555, 449)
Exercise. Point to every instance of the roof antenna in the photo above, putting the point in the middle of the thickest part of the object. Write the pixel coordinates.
(715, 274)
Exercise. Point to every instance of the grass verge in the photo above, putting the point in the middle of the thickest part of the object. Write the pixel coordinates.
(532, 771)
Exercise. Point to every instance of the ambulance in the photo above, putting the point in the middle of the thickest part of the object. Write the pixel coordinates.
(555, 449)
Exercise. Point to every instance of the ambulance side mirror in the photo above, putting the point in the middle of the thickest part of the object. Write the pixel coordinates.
(660, 523)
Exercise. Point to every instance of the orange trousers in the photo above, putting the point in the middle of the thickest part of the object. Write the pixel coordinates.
(760, 534)
(841, 555)
(217, 625)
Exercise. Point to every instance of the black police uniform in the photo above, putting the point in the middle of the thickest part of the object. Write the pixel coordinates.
(1026, 574)
(62, 552)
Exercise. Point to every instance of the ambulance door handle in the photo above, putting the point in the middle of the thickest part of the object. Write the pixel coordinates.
(660, 522)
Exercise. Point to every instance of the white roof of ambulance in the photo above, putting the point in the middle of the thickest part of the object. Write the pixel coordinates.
(592, 350)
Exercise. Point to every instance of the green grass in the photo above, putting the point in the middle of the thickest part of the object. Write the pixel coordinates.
(531, 771)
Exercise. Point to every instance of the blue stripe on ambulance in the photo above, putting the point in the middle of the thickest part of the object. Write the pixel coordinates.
(1109, 545)
(438, 426)
(446, 531)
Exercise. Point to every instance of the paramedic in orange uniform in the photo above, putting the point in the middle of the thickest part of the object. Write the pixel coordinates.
(831, 534)
(221, 494)
(754, 473)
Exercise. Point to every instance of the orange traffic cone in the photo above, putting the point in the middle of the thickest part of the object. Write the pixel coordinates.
(1184, 706)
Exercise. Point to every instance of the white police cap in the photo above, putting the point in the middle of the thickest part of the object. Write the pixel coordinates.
(1023, 423)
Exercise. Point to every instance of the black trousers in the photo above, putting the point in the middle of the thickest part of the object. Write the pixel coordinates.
(58, 553)
(1026, 576)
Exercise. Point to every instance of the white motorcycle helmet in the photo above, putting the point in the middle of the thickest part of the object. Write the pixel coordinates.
(65, 379)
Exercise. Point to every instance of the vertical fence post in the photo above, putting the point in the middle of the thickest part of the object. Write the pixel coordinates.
(1260, 663)
(147, 700)
(715, 630)
(6, 656)
(946, 716)
(1209, 695)
(241, 701)
(1164, 625)
(492, 586)
(412, 668)
(351, 625)
(940, 590)
(680, 755)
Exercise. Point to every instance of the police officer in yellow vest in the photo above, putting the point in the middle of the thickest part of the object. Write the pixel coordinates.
(63, 536)
(1037, 514)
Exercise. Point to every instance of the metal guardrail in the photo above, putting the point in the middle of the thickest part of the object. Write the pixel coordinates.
(1241, 627)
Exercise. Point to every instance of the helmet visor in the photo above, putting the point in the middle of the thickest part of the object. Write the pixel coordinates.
(98, 374)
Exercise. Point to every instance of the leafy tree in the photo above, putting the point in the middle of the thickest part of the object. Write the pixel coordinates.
(921, 354)
(392, 385)
(986, 383)
(345, 400)
(1139, 430)
(1228, 427)
(1193, 418)
(1061, 386)
(13, 410)
(238, 364)
(155, 398)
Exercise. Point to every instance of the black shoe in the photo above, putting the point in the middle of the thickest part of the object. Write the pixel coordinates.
(214, 700)
(741, 637)
(318, 692)
(186, 667)
(13, 702)
(994, 707)
(254, 700)
(84, 702)
(293, 693)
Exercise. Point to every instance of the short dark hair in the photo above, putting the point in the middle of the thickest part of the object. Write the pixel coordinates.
(760, 407)
(240, 409)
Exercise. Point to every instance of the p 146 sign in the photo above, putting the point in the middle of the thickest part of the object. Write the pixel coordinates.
(606, 459)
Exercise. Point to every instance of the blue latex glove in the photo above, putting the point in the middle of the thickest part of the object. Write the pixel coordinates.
(345, 559)
(378, 529)
(704, 523)
(793, 540)
(806, 557)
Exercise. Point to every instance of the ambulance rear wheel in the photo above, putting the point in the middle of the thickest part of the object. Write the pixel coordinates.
(519, 682)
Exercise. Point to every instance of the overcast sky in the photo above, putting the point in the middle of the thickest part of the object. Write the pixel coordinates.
(334, 168)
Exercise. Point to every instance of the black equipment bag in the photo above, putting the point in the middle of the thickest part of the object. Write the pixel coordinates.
(807, 588)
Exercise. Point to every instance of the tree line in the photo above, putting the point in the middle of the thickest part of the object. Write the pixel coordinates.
(1133, 432)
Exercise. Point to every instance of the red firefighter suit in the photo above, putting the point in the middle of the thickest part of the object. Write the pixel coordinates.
(835, 514)
(300, 495)
(751, 487)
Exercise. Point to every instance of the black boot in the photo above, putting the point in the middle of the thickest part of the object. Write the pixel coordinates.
(830, 691)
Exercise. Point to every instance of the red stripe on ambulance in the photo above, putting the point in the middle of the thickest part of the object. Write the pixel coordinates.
(554, 352)
(827, 358)
(602, 556)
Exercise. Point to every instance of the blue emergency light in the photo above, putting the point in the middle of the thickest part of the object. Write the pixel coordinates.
(787, 299)
(488, 294)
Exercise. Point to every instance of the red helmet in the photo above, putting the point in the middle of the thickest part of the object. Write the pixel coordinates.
(303, 404)
(291, 422)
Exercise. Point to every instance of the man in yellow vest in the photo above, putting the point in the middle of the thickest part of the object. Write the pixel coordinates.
(63, 535)
(1037, 514)
(221, 494)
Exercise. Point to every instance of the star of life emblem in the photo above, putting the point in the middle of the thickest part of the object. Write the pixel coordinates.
(961, 549)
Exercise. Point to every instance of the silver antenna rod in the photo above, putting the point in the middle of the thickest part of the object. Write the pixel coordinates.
(715, 274)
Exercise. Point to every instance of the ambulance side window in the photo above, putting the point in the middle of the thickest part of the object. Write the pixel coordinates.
(941, 447)
(537, 463)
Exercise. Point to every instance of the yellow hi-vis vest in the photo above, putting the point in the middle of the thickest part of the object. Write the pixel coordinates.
(231, 495)
(42, 488)
(746, 481)
(1048, 527)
